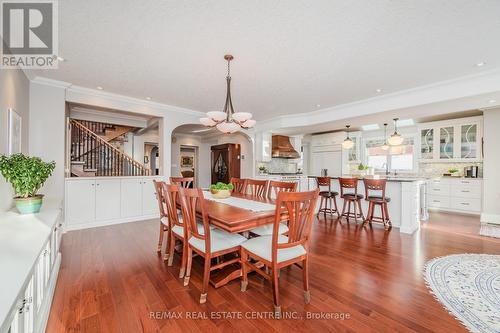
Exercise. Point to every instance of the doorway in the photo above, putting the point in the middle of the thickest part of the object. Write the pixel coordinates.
(189, 162)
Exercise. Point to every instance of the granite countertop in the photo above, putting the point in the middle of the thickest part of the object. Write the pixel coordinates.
(389, 179)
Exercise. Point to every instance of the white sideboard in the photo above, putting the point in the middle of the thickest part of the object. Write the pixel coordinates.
(463, 195)
(30, 260)
(98, 201)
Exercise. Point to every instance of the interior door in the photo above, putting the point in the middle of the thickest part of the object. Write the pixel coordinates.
(107, 198)
(80, 201)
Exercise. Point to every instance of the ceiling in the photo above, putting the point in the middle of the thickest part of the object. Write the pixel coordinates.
(291, 56)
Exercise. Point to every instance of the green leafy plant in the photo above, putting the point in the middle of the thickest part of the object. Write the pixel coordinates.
(26, 174)
(362, 167)
(453, 170)
(222, 186)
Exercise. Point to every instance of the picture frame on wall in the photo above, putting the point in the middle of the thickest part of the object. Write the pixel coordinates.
(187, 161)
(14, 132)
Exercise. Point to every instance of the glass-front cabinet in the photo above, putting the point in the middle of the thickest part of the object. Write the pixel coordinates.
(427, 143)
(457, 140)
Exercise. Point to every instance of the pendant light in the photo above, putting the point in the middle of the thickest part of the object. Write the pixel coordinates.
(385, 146)
(347, 143)
(228, 121)
(396, 139)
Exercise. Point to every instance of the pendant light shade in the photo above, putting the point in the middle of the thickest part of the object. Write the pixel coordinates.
(347, 143)
(228, 121)
(396, 139)
(385, 146)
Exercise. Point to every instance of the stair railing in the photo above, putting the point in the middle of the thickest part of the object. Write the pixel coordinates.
(100, 156)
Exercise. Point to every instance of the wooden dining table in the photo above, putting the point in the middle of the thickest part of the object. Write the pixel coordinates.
(235, 220)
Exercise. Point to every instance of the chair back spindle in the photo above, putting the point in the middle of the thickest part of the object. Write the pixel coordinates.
(255, 187)
(186, 182)
(274, 187)
(239, 184)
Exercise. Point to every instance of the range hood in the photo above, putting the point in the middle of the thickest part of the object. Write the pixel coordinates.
(282, 148)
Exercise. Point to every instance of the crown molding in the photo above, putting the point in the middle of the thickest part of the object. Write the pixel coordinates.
(50, 82)
(466, 86)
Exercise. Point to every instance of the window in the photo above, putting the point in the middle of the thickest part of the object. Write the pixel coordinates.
(396, 158)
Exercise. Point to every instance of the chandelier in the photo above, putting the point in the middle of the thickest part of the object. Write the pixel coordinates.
(227, 121)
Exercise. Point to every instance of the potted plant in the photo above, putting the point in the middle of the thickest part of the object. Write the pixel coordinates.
(221, 190)
(454, 172)
(26, 175)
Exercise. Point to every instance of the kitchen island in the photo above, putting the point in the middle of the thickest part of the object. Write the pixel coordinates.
(407, 206)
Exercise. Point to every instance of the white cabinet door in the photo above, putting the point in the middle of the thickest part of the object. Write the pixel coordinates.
(149, 203)
(80, 201)
(107, 199)
(263, 142)
(131, 197)
(332, 161)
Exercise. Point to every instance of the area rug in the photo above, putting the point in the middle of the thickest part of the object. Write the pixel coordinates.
(468, 285)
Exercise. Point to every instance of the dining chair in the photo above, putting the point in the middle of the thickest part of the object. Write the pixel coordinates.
(273, 188)
(206, 242)
(238, 184)
(277, 251)
(327, 196)
(377, 199)
(255, 187)
(186, 182)
(351, 196)
(176, 226)
(163, 214)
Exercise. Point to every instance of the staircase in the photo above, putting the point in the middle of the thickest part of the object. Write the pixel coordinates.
(95, 151)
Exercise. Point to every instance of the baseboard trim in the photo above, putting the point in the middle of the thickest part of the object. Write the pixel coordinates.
(95, 224)
(43, 316)
(490, 218)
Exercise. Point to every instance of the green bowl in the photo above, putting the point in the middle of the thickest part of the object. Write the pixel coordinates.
(29, 205)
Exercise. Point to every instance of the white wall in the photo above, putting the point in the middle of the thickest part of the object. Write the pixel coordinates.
(47, 132)
(14, 93)
(491, 162)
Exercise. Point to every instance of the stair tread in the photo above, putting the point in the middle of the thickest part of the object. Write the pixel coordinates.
(77, 162)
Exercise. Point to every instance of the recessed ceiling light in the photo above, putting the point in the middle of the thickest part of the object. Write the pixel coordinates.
(492, 101)
(318, 105)
(99, 88)
(370, 127)
(148, 98)
(480, 64)
(60, 59)
(378, 90)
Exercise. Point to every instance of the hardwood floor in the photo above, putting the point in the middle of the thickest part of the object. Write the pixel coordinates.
(365, 280)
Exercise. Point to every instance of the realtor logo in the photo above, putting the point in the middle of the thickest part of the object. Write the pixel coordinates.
(29, 33)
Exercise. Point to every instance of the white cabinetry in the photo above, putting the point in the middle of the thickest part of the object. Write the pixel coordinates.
(29, 273)
(107, 199)
(263, 146)
(457, 140)
(102, 201)
(80, 200)
(457, 195)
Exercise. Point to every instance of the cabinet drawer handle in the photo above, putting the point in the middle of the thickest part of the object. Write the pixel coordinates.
(436, 201)
(464, 203)
(463, 191)
(436, 189)
(465, 182)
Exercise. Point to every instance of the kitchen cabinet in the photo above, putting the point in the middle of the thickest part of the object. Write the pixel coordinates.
(263, 145)
(328, 139)
(462, 195)
(107, 202)
(102, 201)
(457, 140)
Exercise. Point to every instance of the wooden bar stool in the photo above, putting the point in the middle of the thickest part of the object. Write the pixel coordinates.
(327, 195)
(351, 184)
(378, 199)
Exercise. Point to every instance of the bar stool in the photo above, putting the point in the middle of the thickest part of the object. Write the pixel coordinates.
(327, 196)
(351, 197)
(378, 199)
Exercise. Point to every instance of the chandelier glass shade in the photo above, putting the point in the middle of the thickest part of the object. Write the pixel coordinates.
(395, 139)
(228, 121)
(347, 143)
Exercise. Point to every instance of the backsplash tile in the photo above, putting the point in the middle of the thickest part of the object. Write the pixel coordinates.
(437, 169)
(279, 165)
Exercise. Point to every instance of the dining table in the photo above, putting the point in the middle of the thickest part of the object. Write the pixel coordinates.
(237, 219)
